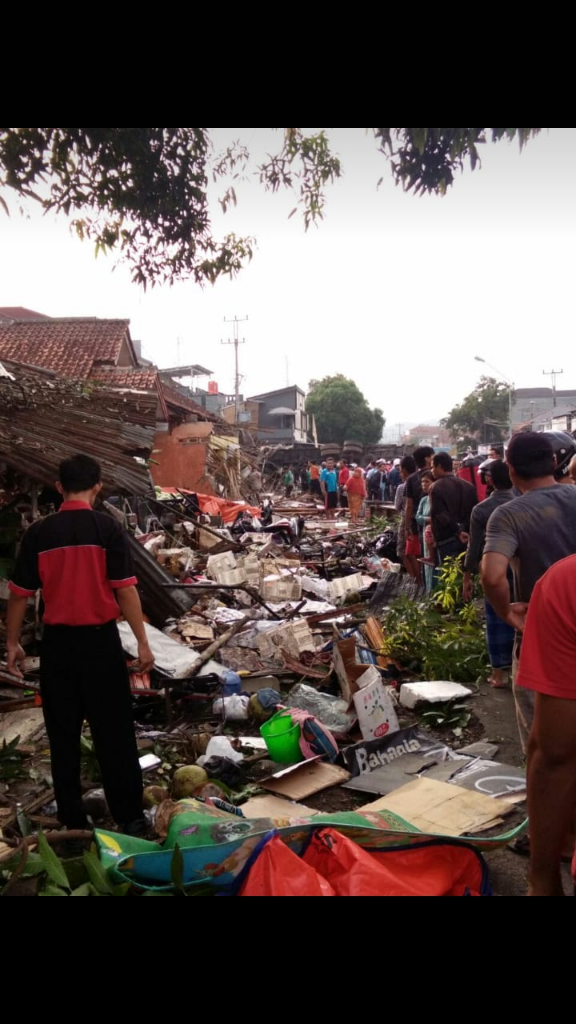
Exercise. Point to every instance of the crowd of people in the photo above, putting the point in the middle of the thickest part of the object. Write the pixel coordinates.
(378, 481)
(520, 543)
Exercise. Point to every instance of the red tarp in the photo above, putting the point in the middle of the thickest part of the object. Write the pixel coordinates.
(227, 510)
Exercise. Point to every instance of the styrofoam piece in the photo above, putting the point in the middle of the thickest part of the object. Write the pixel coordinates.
(320, 588)
(413, 694)
(173, 659)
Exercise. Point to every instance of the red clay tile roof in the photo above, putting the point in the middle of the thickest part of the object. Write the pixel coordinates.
(20, 313)
(122, 377)
(69, 347)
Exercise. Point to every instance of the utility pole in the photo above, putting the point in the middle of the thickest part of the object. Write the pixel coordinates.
(553, 374)
(236, 342)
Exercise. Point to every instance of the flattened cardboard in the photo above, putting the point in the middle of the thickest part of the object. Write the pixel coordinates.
(443, 809)
(305, 780)
(392, 777)
(197, 631)
(492, 779)
(364, 758)
(275, 807)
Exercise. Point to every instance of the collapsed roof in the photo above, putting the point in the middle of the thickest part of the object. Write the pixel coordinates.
(45, 418)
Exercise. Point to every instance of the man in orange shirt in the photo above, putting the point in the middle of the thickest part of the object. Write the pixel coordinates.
(356, 489)
(315, 487)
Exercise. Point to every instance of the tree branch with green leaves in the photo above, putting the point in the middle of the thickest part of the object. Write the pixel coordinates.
(144, 192)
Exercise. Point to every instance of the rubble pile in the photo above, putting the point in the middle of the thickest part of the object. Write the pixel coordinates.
(274, 705)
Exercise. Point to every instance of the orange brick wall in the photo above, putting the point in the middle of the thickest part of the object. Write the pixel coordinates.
(182, 465)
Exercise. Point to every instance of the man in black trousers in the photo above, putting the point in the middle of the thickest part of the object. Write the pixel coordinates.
(80, 560)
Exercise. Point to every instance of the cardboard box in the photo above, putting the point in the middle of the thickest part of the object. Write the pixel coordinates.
(347, 667)
(233, 578)
(251, 566)
(347, 584)
(293, 637)
(225, 562)
(376, 711)
(277, 589)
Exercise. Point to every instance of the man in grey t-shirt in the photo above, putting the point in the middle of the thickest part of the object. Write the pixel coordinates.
(529, 534)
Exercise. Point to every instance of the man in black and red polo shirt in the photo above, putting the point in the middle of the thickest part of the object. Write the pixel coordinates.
(81, 561)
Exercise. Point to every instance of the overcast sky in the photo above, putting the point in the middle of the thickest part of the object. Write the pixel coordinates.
(398, 292)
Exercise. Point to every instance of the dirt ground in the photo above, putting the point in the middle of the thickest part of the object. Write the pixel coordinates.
(496, 711)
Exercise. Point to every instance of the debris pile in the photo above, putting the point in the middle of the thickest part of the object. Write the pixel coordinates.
(284, 700)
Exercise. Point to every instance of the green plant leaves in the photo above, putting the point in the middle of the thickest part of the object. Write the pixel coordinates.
(53, 890)
(11, 761)
(434, 645)
(85, 890)
(34, 865)
(452, 715)
(52, 865)
(98, 875)
(122, 890)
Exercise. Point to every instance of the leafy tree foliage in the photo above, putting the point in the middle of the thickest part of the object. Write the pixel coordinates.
(484, 413)
(342, 412)
(143, 192)
(425, 159)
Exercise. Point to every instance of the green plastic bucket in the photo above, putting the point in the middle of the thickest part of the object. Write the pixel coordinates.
(282, 739)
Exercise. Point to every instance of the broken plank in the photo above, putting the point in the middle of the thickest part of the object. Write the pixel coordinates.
(337, 613)
(299, 669)
(16, 705)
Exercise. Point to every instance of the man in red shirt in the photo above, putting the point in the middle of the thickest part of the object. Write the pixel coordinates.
(80, 560)
(548, 669)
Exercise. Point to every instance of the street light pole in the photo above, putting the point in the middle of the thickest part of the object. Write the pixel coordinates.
(509, 382)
